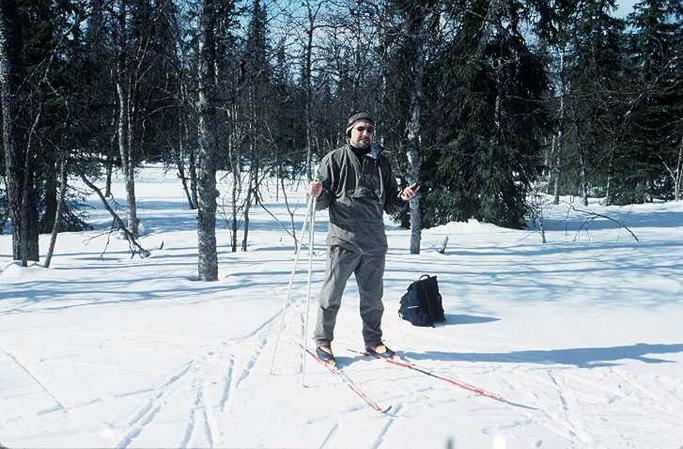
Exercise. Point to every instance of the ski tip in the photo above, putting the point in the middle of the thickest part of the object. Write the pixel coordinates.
(386, 410)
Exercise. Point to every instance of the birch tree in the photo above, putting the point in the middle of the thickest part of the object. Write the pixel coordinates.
(417, 17)
(124, 125)
(206, 173)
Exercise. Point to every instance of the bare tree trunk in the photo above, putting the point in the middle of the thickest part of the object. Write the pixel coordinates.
(583, 180)
(4, 213)
(497, 107)
(610, 167)
(383, 60)
(584, 185)
(110, 159)
(179, 155)
(358, 51)
(58, 214)
(418, 20)
(557, 169)
(251, 193)
(206, 214)
(247, 208)
(235, 167)
(21, 202)
(183, 139)
(679, 168)
(236, 181)
(180, 165)
(193, 177)
(110, 166)
(50, 190)
(559, 148)
(124, 125)
(548, 161)
(308, 89)
(29, 201)
(290, 211)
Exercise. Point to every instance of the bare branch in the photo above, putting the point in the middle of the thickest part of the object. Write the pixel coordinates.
(593, 215)
(135, 247)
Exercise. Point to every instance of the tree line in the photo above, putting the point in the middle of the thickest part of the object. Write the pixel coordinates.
(484, 102)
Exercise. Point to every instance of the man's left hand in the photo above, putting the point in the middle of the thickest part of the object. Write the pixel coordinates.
(409, 192)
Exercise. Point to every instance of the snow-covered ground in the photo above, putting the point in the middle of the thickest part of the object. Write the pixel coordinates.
(581, 337)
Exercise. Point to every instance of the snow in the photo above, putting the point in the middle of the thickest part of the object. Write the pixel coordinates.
(581, 336)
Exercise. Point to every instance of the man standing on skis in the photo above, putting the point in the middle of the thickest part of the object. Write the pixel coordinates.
(356, 184)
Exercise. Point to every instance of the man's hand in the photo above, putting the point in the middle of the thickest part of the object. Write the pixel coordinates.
(409, 192)
(314, 189)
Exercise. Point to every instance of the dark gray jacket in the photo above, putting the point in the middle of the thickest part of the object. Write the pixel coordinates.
(357, 193)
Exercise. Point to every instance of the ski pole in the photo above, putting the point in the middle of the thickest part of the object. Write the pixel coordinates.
(311, 243)
(291, 280)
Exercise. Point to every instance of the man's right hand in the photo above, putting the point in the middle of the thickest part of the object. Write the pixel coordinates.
(314, 189)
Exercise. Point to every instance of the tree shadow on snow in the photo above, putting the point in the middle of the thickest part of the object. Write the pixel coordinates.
(579, 357)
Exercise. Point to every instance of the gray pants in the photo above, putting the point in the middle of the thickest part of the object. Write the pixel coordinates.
(369, 271)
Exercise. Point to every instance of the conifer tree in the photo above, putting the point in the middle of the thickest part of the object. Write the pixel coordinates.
(487, 117)
(596, 110)
(653, 151)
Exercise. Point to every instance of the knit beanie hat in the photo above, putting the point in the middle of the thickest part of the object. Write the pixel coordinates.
(357, 117)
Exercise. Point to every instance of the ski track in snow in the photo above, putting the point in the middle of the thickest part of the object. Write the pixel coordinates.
(129, 393)
(261, 335)
(329, 436)
(644, 394)
(565, 397)
(544, 418)
(385, 429)
(189, 428)
(208, 428)
(227, 384)
(199, 413)
(148, 412)
(198, 408)
(59, 405)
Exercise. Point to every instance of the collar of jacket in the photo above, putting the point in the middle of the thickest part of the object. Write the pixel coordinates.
(374, 152)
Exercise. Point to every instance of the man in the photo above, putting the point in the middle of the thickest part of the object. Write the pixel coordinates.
(356, 183)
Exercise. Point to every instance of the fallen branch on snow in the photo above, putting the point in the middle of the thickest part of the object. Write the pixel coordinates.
(135, 247)
(593, 215)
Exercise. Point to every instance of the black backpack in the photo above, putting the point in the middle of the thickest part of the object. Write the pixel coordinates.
(421, 304)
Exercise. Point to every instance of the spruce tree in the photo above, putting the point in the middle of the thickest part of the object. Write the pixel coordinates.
(487, 120)
(653, 151)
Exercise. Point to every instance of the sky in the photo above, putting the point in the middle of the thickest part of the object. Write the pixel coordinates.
(625, 7)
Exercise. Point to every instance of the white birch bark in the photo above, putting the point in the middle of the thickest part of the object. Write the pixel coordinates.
(206, 173)
(559, 149)
(124, 125)
(414, 127)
